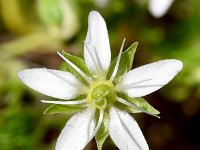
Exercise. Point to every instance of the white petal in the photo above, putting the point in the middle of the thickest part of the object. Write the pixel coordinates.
(158, 8)
(125, 132)
(97, 53)
(54, 83)
(77, 131)
(149, 78)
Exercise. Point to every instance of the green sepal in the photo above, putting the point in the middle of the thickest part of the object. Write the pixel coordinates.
(63, 109)
(64, 67)
(79, 62)
(125, 108)
(139, 102)
(102, 133)
(125, 63)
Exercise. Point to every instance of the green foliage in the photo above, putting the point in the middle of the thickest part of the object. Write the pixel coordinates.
(125, 63)
(50, 12)
(15, 18)
(16, 126)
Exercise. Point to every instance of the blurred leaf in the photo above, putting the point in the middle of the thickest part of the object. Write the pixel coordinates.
(29, 42)
(16, 129)
(14, 17)
(50, 12)
(60, 17)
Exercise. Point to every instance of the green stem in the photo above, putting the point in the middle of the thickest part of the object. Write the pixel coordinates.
(28, 43)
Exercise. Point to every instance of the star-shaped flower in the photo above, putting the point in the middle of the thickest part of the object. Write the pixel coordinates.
(102, 93)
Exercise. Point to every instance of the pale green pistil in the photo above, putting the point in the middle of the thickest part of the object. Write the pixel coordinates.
(101, 96)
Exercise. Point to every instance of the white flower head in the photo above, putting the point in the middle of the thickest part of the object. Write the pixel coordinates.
(158, 8)
(100, 91)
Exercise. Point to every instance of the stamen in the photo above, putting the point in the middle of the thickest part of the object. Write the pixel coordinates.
(75, 67)
(65, 102)
(117, 62)
(105, 104)
(135, 106)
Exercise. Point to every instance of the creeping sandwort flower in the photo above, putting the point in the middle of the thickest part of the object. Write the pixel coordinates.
(99, 93)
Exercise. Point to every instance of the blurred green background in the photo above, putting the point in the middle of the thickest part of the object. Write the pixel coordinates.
(31, 31)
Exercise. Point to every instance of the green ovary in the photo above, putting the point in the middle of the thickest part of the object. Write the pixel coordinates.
(102, 96)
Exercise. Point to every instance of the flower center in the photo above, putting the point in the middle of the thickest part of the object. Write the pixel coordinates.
(101, 95)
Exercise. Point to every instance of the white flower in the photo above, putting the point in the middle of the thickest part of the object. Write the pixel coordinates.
(101, 94)
(158, 8)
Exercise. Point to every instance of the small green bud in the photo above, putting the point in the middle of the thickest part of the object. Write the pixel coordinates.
(102, 96)
(50, 12)
(59, 15)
